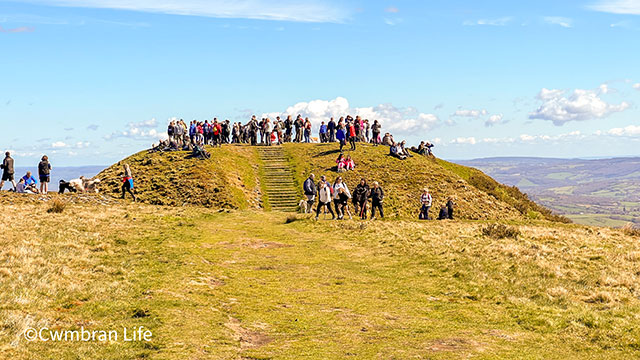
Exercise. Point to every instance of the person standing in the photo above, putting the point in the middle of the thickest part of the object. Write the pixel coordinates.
(44, 173)
(366, 130)
(309, 188)
(127, 182)
(360, 195)
(323, 133)
(307, 130)
(339, 187)
(352, 135)
(426, 200)
(324, 199)
(288, 126)
(267, 131)
(332, 130)
(377, 197)
(299, 124)
(375, 132)
(341, 135)
(8, 170)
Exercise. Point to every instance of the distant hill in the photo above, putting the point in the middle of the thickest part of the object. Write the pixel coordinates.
(232, 179)
(602, 192)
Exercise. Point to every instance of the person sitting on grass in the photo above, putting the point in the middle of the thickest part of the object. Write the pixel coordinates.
(30, 183)
(395, 152)
(403, 150)
(340, 162)
(444, 215)
(450, 205)
(20, 189)
(349, 164)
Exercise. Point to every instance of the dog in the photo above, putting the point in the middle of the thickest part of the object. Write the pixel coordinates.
(83, 184)
(65, 185)
(91, 185)
(302, 206)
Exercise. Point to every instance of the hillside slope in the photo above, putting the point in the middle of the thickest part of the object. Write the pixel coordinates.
(403, 182)
(229, 179)
(233, 179)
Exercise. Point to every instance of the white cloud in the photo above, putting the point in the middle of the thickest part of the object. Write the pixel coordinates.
(63, 145)
(490, 22)
(470, 113)
(403, 121)
(631, 7)
(464, 140)
(580, 105)
(286, 10)
(143, 130)
(631, 130)
(559, 20)
(493, 120)
(636, 86)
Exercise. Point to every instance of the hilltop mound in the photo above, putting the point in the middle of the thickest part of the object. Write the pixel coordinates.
(229, 179)
(234, 178)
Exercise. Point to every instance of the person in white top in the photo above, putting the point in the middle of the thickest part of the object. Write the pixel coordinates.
(425, 199)
(268, 128)
(337, 185)
(324, 198)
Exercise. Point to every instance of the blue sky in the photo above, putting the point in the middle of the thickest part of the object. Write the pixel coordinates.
(91, 81)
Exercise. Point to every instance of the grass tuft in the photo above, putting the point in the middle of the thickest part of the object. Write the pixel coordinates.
(57, 206)
(631, 230)
(501, 231)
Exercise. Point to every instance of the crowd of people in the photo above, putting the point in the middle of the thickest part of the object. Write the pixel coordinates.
(363, 199)
(27, 183)
(267, 132)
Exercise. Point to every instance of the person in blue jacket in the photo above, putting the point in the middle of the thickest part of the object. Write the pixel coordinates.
(323, 133)
(341, 135)
(30, 182)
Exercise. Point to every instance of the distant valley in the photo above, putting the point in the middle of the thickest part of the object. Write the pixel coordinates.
(603, 192)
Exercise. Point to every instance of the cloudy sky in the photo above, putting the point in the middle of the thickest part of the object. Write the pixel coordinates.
(90, 81)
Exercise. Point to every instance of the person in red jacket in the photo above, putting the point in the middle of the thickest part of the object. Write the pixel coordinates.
(352, 136)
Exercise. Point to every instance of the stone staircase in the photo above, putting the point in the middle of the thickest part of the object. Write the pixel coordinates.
(278, 181)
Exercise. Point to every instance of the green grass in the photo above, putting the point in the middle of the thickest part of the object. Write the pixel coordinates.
(245, 284)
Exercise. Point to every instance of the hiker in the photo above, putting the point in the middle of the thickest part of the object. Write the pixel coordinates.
(341, 135)
(127, 182)
(30, 182)
(323, 133)
(341, 195)
(375, 132)
(309, 188)
(298, 124)
(7, 170)
(44, 172)
(425, 199)
(403, 150)
(171, 130)
(288, 125)
(450, 205)
(444, 215)
(332, 130)
(360, 195)
(267, 129)
(324, 198)
(395, 152)
(377, 197)
(20, 188)
(352, 135)
(307, 130)
(366, 130)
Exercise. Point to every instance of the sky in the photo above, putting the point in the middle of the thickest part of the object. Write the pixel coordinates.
(88, 82)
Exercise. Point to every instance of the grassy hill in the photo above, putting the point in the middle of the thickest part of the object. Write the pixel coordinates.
(213, 284)
(232, 179)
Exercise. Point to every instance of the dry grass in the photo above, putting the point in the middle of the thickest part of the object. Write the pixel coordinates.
(57, 206)
(500, 231)
(631, 230)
